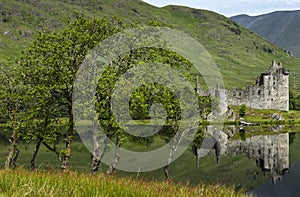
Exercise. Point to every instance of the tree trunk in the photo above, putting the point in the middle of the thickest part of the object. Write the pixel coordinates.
(13, 151)
(114, 164)
(166, 172)
(95, 163)
(15, 157)
(95, 156)
(195, 152)
(67, 153)
(35, 152)
(68, 140)
(174, 146)
(98, 152)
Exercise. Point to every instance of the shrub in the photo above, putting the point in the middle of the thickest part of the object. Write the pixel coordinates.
(242, 110)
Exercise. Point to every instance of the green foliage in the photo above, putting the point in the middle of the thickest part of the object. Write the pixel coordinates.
(13, 101)
(243, 135)
(264, 116)
(240, 54)
(286, 38)
(12, 96)
(294, 101)
(49, 67)
(199, 137)
(143, 98)
(242, 110)
(205, 105)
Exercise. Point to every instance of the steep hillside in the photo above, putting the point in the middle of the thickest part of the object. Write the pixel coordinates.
(240, 54)
(281, 28)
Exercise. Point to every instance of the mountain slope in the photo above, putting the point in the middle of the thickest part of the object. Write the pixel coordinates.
(240, 54)
(281, 28)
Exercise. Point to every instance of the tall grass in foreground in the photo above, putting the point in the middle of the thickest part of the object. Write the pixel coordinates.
(39, 183)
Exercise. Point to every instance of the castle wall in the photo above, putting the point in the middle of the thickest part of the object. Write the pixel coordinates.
(271, 91)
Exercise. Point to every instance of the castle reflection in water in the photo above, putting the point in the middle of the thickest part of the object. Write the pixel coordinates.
(271, 152)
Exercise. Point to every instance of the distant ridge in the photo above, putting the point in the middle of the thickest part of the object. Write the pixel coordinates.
(280, 27)
(239, 53)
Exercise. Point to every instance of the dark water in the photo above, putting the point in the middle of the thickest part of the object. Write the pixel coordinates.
(265, 165)
(265, 161)
(288, 186)
(289, 183)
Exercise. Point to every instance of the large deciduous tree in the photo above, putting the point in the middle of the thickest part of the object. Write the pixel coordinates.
(50, 65)
(49, 68)
(12, 99)
(143, 98)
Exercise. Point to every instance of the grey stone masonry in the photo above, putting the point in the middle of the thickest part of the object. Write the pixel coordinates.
(271, 91)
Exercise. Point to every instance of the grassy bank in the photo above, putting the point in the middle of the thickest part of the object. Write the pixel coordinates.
(28, 183)
(265, 116)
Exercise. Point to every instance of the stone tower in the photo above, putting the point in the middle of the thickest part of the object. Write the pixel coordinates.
(271, 91)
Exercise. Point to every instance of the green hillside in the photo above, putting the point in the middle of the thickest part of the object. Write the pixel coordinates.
(240, 54)
(279, 27)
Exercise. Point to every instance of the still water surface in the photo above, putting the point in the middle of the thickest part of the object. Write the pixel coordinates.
(266, 165)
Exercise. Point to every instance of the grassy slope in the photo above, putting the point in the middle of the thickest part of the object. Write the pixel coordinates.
(240, 57)
(279, 27)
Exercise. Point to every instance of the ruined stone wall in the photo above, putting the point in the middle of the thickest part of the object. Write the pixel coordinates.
(271, 91)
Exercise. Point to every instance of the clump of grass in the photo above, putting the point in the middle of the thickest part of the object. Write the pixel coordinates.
(49, 183)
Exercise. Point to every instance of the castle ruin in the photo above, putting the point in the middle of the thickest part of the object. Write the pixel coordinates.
(271, 91)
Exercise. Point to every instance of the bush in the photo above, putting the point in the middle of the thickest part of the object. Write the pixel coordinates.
(294, 101)
(242, 110)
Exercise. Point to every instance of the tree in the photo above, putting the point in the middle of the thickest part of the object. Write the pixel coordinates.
(294, 101)
(50, 66)
(52, 61)
(12, 106)
(41, 123)
(142, 99)
(242, 110)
